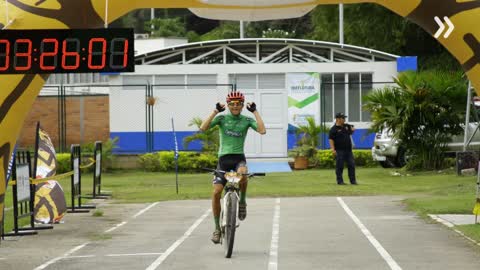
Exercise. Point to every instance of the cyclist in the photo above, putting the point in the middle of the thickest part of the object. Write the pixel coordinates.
(233, 131)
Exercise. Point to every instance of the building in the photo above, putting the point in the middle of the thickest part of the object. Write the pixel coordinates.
(289, 79)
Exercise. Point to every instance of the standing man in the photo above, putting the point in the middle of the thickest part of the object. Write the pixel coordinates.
(233, 131)
(341, 145)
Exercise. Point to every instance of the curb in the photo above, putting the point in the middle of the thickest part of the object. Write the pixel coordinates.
(452, 226)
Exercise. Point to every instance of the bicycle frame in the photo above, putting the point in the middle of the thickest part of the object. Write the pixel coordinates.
(232, 186)
(230, 207)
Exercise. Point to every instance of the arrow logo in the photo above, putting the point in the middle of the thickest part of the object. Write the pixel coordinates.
(442, 27)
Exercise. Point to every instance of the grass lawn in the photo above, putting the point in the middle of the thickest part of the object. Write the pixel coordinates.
(426, 193)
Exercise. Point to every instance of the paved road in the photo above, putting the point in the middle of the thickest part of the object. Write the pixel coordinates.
(287, 233)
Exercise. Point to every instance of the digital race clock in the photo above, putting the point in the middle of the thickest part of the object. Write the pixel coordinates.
(66, 51)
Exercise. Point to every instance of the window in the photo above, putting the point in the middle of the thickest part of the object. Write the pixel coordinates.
(271, 81)
(140, 81)
(77, 78)
(339, 92)
(354, 110)
(244, 81)
(335, 100)
(170, 79)
(327, 103)
(202, 79)
(366, 87)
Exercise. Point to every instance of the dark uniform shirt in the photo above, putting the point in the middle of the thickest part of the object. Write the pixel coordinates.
(341, 137)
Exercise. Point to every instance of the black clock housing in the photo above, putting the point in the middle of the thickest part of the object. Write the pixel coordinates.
(67, 51)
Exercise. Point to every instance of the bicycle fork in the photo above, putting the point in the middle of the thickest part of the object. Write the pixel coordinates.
(225, 210)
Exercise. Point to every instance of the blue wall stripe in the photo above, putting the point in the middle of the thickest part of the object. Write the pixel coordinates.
(135, 142)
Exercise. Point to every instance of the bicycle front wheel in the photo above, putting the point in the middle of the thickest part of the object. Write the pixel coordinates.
(231, 223)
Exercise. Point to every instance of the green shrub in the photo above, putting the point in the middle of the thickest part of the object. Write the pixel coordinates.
(450, 162)
(63, 163)
(325, 159)
(150, 162)
(187, 161)
(363, 158)
(194, 162)
(107, 153)
(167, 161)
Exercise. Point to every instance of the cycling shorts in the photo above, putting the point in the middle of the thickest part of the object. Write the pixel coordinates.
(230, 162)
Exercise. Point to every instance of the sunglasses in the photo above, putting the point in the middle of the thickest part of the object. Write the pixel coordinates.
(235, 103)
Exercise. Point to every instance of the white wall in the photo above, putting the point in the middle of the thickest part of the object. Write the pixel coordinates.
(199, 103)
(383, 71)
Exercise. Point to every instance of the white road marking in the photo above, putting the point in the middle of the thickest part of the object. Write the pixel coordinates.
(80, 256)
(133, 254)
(135, 216)
(116, 227)
(113, 255)
(177, 243)
(43, 266)
(144, 210)
(385, 255)
(273, 261)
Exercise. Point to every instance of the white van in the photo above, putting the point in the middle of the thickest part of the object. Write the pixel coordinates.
(390, 153)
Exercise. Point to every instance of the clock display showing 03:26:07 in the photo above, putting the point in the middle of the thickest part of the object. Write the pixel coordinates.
(66, 55)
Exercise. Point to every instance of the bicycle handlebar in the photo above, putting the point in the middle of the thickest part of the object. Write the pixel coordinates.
(221, 171)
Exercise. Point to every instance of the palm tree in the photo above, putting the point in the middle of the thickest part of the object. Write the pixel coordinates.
(423, 111)
(307, 141)
(309, 133)
(208, 138)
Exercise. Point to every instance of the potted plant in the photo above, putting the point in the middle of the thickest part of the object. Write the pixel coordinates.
(307, 143)
(301, 155)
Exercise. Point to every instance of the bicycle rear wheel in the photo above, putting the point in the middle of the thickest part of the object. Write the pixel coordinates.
(231, 224)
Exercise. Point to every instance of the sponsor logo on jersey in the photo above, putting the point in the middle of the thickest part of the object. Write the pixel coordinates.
(232, 133)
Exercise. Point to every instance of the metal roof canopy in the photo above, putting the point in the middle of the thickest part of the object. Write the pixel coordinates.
(261, 51)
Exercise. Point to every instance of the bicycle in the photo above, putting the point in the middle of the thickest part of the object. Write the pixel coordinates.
(229, 212)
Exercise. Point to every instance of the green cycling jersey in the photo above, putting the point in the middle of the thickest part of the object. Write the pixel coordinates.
(233, 131)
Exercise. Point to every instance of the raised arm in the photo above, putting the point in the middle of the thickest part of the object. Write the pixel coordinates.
(252, 107)
(206, 124)
(261, 126)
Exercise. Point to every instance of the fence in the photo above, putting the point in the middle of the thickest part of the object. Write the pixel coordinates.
(76, 182)
(23, 196)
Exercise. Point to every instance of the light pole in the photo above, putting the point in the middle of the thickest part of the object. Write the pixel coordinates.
(340, 23)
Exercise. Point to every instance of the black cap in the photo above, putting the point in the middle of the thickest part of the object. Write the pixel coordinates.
(340, 115)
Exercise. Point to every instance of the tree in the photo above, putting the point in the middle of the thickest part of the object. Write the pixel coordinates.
(309, 133)
(277, 33)
(308, 136)
(166, 27)
(363, 22)
(208, 138)
(226, 30)
(424, 110)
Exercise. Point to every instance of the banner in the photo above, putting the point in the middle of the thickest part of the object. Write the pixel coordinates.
(45, 156)
(175, 141)
(50, 204)
(303, 97)
(176, 155)
(10, 164)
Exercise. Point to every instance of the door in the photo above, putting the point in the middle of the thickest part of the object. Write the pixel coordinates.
(270, 97)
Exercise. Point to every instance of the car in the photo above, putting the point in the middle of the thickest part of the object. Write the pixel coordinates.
(389, 152)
